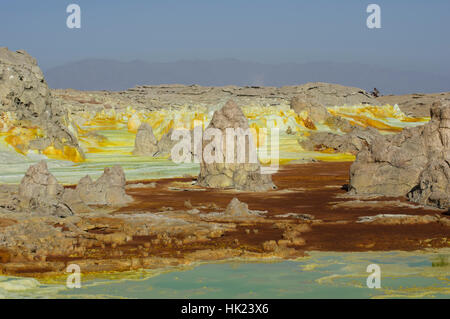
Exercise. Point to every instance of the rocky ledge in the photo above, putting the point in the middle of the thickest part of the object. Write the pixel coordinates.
(413, 163)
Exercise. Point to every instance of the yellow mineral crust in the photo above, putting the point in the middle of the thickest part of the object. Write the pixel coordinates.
(68, 153)
(112, 132)
(386, 118)
(20, 137)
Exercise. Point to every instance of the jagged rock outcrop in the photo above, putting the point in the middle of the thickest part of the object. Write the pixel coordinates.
(414, 162)
(40, 191)
(26, 101)
(434, 185)
(107, 190)
(351, 142)
(145, 143)
(434, 181)
(220, 174)
(23, 89)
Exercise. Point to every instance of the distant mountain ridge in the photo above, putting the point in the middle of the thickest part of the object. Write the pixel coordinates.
(103, 74)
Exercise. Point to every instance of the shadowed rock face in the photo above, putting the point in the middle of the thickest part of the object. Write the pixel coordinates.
(242, 176)
(415, 162)
(26, 96)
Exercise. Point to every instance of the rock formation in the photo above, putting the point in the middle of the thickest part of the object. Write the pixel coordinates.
(108, 189)
(414, 162)
(146, 143)
(220, 174)
(40, 191)
(26, 101)
(237, 208)
(434, 181)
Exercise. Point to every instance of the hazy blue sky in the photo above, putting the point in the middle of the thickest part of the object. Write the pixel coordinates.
(414, 34)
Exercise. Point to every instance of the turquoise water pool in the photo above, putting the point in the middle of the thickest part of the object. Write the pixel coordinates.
(321, 275)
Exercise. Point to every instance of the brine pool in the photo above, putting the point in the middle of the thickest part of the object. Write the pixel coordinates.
(320, 275)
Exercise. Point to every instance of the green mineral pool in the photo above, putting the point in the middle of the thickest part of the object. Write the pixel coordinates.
(321, 275)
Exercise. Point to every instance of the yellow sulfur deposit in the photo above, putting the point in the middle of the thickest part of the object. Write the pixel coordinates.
(20, 137)
(386, 118)
(133, 123)
(113, 132)
(68, 153)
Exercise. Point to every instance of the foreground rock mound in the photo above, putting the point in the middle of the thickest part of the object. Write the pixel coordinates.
(40, 191)
(107, 190)
(26, 102)
(237, 208)
(415, 162)
(244, 175)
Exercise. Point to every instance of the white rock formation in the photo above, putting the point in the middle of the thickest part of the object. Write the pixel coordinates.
(244, 175)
